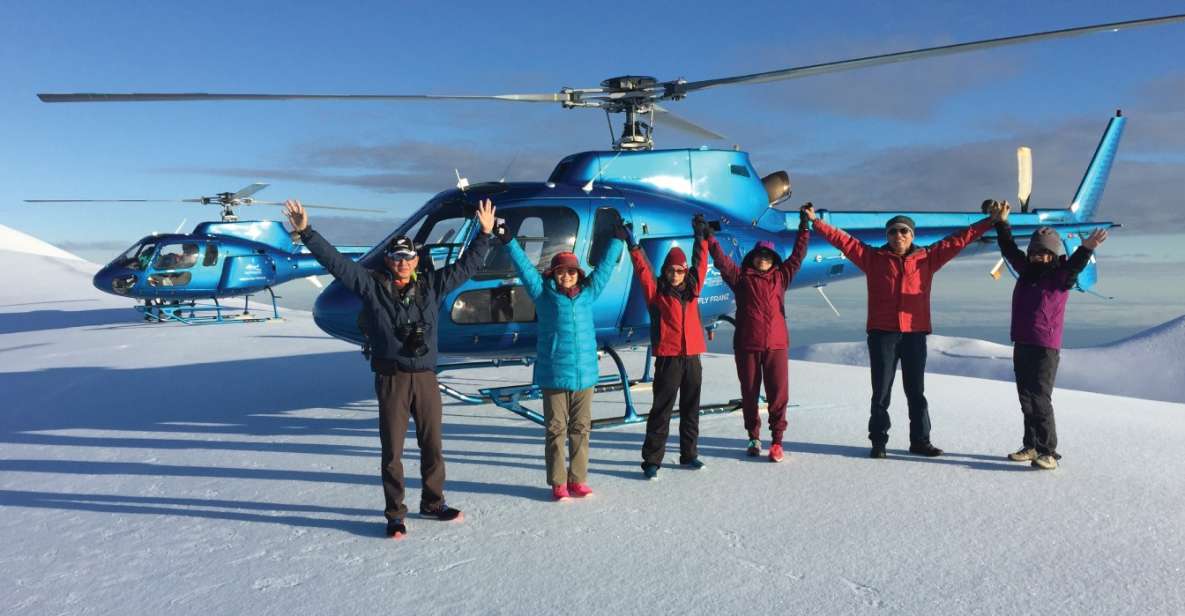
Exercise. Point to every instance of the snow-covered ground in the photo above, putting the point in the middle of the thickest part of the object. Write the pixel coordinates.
(161, 469)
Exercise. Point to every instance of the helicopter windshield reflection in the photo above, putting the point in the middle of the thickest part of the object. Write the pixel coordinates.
(137, 257)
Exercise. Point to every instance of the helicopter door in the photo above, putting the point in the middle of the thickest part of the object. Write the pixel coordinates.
(493, 298)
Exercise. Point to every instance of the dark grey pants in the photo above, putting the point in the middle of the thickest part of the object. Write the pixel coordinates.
(673, 376)
(402, 397)
(885, 351)
(1036, 370)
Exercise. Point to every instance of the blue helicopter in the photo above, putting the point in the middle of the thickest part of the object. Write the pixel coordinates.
(491, 320)
(182, 276)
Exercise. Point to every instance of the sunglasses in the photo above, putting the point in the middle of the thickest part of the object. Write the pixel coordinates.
(400, 256)
(677, 270)
(567, 272)
(900, 231)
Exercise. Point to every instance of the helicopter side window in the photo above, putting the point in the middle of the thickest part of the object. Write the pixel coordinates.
(169, 279)
(504, 304)
(602, 234)
(176, 256)
(541, 231)
(211, 257)
(137, 257)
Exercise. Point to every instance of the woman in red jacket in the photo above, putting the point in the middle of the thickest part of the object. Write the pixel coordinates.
(676, 341)
(761, 339)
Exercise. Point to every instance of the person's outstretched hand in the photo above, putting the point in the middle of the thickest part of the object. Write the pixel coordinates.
(297, 217)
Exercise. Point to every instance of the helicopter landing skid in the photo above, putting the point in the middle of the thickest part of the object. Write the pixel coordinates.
(512, 397)
(194, 313)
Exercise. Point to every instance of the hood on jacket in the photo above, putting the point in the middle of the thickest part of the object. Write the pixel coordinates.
(763, 245)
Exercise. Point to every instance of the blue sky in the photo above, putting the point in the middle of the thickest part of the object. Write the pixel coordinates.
(939, 133)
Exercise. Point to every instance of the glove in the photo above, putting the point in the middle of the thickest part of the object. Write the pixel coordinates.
(502, 233)
(804, 221)
(621, 232)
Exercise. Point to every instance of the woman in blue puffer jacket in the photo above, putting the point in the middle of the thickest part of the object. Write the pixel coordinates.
(566, 356)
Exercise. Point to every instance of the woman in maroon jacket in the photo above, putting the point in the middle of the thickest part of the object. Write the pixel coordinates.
(677, 341)
(761, 339)
(1044, 277)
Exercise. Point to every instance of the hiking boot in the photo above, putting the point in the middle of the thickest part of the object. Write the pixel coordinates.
(925, 449)
(878, 451)
(396, 529)
(442, 512)
(559, 492)
(754, 448)
(579, 490)
(1045, 462)
(650, 471)
(1024, 454)
(775, 453)
(694, 464)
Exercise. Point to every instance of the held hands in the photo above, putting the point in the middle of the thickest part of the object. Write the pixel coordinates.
(296, 215)
(999, 211)
(621, 232)
(485, 215)
(806, 213)
(1098, 236)
(701, 228)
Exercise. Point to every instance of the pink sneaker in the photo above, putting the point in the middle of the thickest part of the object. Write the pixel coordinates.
(559, 492)
(775, 452)
(579, 490)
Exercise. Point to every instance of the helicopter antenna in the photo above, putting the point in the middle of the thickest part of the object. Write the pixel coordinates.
(589, 186)
(462, 183)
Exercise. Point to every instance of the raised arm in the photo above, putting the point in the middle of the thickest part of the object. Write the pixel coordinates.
(948, 248)
(354, 276)
(1081, 257)
(727, 267)
(532, 281)
(643, 273)
(856, 251)
(448, 278)
(699, 264)
(600, 276)
(791, 266)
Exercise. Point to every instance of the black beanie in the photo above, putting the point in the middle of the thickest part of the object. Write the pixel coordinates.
(901, 220)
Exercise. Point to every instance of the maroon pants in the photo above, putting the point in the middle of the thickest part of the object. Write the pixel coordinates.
(773, 367)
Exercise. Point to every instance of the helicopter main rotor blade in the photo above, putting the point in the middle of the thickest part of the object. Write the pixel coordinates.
(247, 191)
(666, 117)
(321, 207)
(677, 88)
(106, 200)
(96, 97)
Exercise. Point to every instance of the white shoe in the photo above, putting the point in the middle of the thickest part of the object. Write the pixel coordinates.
(1046, 462)
(1024, 454)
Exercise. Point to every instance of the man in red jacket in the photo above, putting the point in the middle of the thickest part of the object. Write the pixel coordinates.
(761, 340)
(899, 275)
(676, 340)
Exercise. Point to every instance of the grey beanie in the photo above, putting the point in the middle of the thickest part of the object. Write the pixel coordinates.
(1046, 238)
(902, 220)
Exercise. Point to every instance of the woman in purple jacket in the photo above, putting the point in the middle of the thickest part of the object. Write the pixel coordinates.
(1044, 279)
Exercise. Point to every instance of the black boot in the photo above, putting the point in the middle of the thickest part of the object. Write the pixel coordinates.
(925, 449)
(443, 512)
(396, 529)
(878, 451)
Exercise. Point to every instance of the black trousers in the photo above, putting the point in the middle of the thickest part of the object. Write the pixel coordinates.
(885, 351)
(1036, 370)
(673, 375)
(404, 396)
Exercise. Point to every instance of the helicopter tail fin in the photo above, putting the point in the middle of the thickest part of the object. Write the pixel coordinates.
(1090, 190)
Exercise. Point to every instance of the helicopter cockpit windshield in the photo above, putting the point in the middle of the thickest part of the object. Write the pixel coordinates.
(138, 256)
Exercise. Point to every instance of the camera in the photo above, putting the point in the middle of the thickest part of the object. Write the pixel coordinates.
(412, 337)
